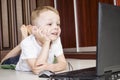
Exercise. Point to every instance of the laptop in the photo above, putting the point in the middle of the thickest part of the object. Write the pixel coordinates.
(108, 49)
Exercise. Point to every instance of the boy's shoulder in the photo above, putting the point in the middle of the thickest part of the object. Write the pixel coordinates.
(28, 39)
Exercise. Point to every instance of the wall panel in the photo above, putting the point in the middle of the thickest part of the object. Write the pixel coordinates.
(4, 24)
(12, 22)
(19, 20)
(0, 31)
(66, 9)
(87, 21)
(13, 14)
(118, 2)
(44, 3)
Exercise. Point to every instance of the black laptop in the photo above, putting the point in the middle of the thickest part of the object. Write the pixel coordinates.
(108, 49)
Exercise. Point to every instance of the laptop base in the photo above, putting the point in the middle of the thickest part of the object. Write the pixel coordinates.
(85, 74)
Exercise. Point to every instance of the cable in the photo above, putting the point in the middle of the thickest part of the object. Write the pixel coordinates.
(70, 66)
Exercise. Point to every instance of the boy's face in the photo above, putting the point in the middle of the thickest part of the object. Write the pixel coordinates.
(50, 22)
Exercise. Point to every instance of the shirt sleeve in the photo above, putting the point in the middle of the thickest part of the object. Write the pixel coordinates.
(57, 47)
(28, 50)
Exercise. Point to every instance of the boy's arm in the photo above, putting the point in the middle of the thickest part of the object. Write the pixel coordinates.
(38, 64)
(15, 51)
(59, 66)
(43, 56)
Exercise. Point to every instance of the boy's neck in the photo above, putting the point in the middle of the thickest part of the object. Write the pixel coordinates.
(38, 42)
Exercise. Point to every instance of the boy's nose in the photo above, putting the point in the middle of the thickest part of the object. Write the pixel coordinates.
(56, 28)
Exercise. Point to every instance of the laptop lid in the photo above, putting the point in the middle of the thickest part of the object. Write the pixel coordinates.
(108, 46)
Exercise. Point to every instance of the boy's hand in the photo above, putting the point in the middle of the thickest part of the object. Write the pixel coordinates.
(40, 68)
(41, 34)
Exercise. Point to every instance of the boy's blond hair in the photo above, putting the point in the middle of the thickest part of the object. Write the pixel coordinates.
(39, 10)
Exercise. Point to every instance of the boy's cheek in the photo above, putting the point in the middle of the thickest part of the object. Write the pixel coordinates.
(59, 32)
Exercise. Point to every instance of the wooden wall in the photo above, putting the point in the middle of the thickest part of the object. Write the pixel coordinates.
(78, 21)
(13, 13)
(118, 2)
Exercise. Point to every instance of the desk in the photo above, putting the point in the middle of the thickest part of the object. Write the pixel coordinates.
(6, 74)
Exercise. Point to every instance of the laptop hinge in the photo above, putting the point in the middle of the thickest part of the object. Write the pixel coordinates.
(109, 75)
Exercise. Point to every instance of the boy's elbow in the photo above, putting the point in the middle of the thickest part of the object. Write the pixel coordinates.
(36, 72)
(37, 69)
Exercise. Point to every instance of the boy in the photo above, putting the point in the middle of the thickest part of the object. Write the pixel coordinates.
(38, 50)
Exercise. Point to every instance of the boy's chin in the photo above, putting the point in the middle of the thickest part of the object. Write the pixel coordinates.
(53, 38)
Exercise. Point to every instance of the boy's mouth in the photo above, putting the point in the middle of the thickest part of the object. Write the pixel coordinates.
(55, 33)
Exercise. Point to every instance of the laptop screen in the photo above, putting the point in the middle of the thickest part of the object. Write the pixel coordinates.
(108, 45)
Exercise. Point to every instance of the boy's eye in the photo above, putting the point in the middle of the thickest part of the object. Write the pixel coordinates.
(58, 24)
(50, 24)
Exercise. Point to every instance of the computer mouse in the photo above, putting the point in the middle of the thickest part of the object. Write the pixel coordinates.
(46, 74)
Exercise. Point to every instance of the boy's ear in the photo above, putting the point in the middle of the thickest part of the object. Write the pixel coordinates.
(34, 29)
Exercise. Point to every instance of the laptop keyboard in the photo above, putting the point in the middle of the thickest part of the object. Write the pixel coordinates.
(79, 73)
(85, 74)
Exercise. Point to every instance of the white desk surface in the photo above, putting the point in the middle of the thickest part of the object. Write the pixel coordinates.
(7, 74)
